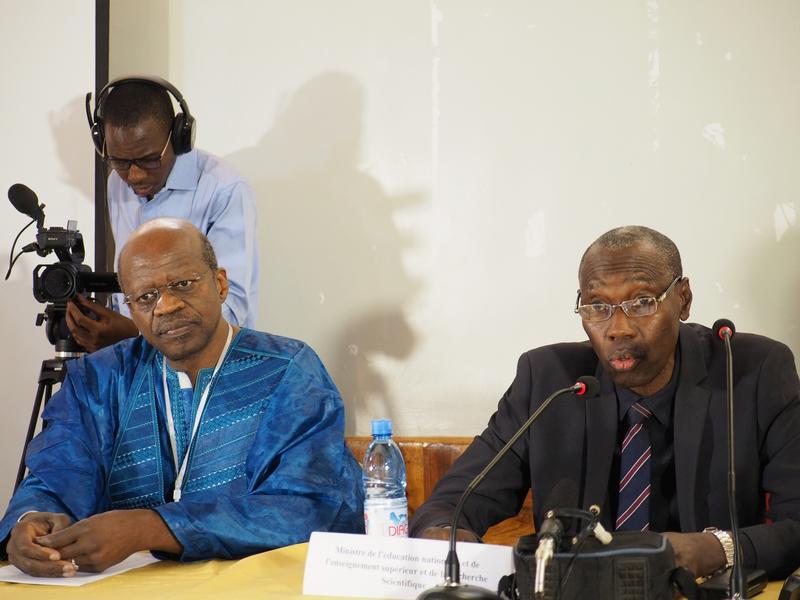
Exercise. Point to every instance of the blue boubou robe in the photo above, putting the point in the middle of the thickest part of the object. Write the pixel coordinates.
(268, 467)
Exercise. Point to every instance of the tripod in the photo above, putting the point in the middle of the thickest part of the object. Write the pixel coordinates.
(52, 371)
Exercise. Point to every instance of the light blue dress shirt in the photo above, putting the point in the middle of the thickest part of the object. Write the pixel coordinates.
(205, 191)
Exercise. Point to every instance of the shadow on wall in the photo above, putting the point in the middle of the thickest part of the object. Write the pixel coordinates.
(68, 125)
(332, 271)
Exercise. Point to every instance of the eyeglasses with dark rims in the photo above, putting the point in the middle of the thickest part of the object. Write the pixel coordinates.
(146, 164)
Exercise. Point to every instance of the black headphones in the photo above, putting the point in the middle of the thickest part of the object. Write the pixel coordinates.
(183, 130)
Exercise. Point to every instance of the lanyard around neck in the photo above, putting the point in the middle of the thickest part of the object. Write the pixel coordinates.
(181, 472)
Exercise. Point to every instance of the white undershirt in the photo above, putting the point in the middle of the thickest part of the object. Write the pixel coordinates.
(180, 471)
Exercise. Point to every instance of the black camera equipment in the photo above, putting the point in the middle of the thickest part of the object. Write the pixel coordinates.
(63, 280)
(791, 587)
(54, 285)
(585, 561)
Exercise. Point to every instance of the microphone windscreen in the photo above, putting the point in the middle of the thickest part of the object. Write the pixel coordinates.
(24, 200)
(721, 325)
(591, 386)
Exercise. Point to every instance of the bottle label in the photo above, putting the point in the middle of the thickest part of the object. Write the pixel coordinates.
(386, 517)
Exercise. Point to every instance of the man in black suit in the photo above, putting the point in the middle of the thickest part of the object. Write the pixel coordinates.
(663, 391)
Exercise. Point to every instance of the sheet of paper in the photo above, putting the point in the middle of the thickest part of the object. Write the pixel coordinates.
(13, 575)
(360, 566)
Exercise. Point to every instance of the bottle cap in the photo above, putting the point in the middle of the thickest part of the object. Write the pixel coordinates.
(381, 427)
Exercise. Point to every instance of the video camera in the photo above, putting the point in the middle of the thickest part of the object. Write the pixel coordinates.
(62, 281)
(57, 283)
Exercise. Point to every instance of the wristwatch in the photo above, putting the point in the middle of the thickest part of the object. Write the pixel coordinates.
(726, 541)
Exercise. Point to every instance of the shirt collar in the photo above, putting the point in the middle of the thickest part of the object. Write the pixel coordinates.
(659, 403)
(185, 173)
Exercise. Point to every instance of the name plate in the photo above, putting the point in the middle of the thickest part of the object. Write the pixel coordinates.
(342, 564)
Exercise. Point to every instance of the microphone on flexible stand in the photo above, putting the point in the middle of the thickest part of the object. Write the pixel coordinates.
(452, 588)
(724, 329)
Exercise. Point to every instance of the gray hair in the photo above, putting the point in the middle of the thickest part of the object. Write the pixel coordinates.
(630, 235)
(209, 257)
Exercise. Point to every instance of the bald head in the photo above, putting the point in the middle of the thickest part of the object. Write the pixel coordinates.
(175, 292)
(165, 233)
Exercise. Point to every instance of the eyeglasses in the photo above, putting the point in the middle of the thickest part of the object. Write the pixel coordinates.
(146, 164)
(638, 307)
(146, 301)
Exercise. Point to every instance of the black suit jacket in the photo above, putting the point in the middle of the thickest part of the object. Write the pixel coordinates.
(575, 439)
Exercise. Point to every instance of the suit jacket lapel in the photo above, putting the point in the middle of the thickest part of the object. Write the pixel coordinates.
(601, 437)
(691, 407)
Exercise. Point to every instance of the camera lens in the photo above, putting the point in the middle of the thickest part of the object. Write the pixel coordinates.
(58, 282)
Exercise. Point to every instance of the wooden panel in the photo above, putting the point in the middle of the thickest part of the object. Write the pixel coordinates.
(440, 457)
(427, 460)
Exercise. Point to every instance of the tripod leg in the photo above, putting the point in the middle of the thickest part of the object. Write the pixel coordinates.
(42, 392)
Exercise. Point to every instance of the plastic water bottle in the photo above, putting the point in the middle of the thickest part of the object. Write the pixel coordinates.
(384, 478)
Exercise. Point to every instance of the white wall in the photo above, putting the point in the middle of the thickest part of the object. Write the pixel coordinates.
(47, 66)
(429, 172)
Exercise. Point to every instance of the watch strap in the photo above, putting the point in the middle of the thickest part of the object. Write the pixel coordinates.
(726, 540)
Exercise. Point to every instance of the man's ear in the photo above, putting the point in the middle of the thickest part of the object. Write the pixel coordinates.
(221, 281)
(685, 293)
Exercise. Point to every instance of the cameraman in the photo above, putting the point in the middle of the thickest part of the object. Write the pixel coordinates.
(156, 173)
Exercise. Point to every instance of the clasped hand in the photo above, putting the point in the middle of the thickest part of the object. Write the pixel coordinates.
(50, 545)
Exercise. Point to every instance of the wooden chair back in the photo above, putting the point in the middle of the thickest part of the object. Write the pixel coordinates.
(427, 460)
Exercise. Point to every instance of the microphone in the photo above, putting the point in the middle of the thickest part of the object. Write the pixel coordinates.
(25, 201)
(724, 329)
(552, 529)
(452, 588)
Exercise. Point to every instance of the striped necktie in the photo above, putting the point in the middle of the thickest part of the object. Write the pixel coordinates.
(634, 482)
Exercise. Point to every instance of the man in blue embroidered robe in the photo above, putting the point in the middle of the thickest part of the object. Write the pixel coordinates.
(195, 440)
